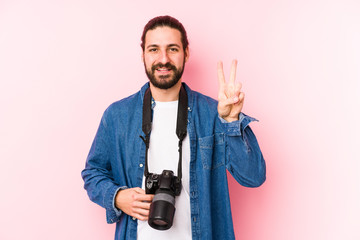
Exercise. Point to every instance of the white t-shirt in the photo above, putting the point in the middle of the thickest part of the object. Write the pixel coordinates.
(163, 155)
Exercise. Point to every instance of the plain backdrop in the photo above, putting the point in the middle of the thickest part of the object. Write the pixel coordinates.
(63, 62)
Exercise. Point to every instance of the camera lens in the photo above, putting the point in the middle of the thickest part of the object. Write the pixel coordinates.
(162, 210)
(160, 222)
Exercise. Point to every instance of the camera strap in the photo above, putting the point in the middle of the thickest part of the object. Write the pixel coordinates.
(181, 125)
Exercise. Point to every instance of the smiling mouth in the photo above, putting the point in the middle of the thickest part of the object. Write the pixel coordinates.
(163, 70)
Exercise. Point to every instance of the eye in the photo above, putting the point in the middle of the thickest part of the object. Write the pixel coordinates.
(174, 50)
(152, 49)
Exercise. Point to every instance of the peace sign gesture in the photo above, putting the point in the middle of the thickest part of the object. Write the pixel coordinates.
(231, 99)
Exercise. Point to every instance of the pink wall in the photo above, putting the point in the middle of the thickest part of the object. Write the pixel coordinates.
(63, 62)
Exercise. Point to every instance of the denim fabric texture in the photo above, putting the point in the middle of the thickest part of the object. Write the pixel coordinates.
(117, 157)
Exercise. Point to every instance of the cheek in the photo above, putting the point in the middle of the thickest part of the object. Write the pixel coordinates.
(179, 60)
(148, 62)
(151, 60)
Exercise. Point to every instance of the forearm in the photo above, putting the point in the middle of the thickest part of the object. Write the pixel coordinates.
(102, 190)
(98, 176)
(244, 159)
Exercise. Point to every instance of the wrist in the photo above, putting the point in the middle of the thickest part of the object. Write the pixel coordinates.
(231, 119)
(117, 198)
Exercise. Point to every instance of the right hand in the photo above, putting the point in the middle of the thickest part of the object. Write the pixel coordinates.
(134, 202)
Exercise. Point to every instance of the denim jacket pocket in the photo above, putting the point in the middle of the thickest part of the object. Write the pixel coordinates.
(212, 150)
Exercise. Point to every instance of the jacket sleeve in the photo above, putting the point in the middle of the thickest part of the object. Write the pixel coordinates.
(97, 175)
(243, 159)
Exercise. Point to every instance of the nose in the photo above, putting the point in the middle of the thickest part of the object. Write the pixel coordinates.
(163, 58)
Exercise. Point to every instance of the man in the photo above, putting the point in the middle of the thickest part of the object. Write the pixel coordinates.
(217, 137)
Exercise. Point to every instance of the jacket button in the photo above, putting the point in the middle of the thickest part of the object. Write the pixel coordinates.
(133, 218)
(141, 165)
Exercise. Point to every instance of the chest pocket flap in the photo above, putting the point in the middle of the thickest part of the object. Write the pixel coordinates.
(212, 150)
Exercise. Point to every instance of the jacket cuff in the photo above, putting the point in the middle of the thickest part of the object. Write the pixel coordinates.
(236, 128)
(112, 213)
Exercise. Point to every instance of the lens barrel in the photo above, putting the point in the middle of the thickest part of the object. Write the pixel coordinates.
(162, 210)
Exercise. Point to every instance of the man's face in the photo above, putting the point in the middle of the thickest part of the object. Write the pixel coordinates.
(164, 57)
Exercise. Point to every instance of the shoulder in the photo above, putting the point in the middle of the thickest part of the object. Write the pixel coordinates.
(204, 99)
(202, 106)
(124, 107)
(127, 102)
(197, 99)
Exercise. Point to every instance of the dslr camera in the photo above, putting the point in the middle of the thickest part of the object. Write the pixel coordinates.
(165, 187)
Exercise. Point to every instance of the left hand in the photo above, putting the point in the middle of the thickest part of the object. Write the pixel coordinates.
(230, 97)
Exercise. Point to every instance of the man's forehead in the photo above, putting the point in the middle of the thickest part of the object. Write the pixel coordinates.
(163, 36)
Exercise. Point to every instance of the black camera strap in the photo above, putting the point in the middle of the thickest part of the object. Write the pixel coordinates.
(181, 125)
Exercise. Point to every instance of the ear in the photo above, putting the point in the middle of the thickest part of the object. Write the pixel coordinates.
(142, 55)
(187, 54)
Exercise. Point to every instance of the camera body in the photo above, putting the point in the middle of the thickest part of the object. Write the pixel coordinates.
(165, 187)
(165, 181)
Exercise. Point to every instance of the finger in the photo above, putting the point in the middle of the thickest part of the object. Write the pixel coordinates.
(220, 71)
(141, 211)
(229, 90)
(241, 97)
(238, 87)
(233, 71)
(142, 205)
(236, 96)
(144, 197)
(141, 217)
(139, 190)
(229, 101)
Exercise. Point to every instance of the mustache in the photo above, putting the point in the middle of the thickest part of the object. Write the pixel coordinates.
(166, 65)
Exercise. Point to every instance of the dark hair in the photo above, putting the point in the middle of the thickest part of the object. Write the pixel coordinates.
(165, 21)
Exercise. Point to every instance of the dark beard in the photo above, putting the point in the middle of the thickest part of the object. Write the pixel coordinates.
(165, 84)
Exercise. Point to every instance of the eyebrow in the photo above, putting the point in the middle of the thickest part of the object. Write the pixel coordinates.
(174, 45)
(170, 45)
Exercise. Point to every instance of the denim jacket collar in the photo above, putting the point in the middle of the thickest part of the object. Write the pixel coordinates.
(188, 91)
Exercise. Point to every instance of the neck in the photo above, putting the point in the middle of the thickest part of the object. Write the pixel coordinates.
(166, 95)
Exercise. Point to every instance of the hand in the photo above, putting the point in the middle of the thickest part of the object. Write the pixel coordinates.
(231, 99)
(134, 202)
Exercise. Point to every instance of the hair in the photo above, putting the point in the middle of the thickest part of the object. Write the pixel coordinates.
(165, 21)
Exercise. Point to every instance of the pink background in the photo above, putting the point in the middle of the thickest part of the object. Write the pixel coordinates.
(63, 62)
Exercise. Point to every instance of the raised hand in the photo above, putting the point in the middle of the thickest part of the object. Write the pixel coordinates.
(230, 97)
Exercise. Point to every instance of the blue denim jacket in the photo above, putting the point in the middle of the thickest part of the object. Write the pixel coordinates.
(117, 157)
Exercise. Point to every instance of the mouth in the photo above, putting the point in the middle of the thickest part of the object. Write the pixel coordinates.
(163, 70)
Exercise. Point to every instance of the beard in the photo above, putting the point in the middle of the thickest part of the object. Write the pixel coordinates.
(162, 82)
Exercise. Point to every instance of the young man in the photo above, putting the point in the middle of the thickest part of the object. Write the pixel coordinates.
(216, 136)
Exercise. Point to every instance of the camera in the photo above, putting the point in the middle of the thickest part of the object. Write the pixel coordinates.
(165, 186)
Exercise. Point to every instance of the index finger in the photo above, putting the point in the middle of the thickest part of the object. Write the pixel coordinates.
(145, 197)
(139, 190)
(220, 72)
(142, 196)
(233, 71)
